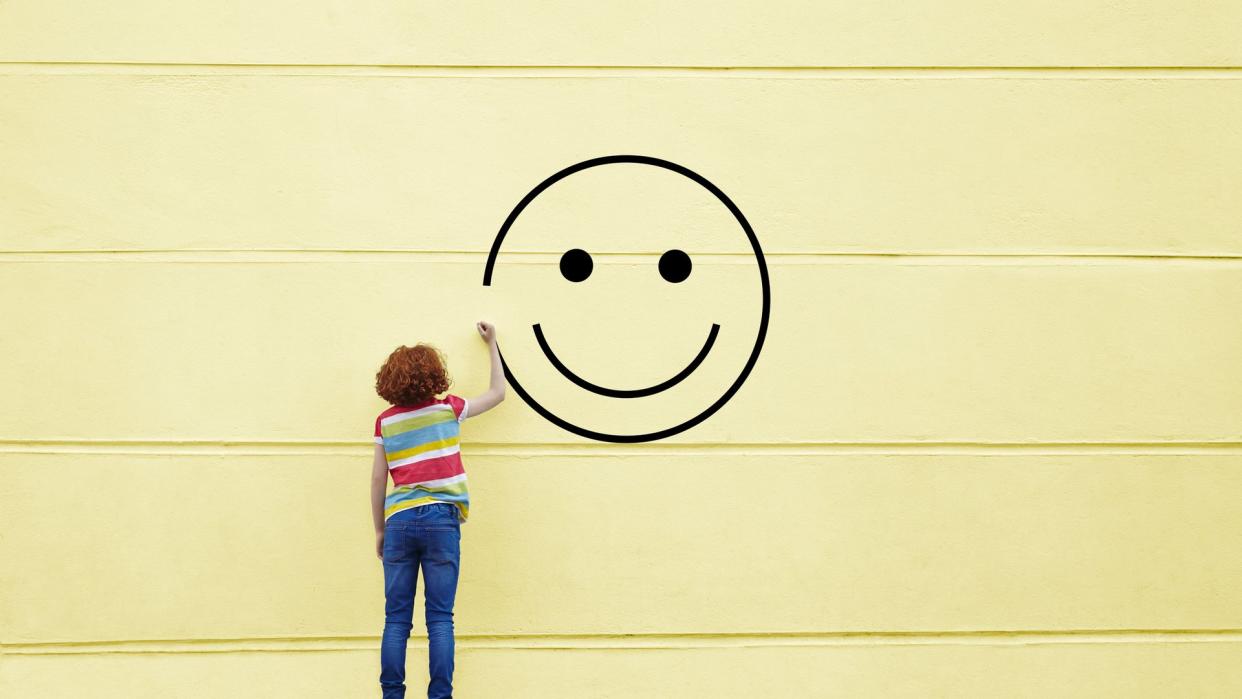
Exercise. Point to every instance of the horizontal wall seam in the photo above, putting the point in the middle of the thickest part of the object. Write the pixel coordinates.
(352, 448)
(454, 70)
(370, 643)
(273, 255)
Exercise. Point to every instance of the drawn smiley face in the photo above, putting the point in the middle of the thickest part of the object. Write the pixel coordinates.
(674, 266)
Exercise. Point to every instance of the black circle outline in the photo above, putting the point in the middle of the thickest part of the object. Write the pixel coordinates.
(763, 278)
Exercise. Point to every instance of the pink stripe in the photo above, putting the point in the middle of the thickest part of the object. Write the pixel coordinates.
(429, 470)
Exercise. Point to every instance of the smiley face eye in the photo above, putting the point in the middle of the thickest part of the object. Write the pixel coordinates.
(576, 265)
(674, 266)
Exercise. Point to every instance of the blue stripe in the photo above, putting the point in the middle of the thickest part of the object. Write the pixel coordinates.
(420, 492)
(422, 435)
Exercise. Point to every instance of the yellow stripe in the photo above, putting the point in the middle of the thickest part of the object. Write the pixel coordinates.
(418, 422)
(429, 446)
(407, 504)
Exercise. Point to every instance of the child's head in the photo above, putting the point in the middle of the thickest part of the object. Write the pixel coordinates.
(412, 375)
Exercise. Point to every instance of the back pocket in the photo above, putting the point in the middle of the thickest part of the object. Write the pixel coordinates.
(396, 545)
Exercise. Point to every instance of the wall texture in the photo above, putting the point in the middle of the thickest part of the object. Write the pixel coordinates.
(993, 446)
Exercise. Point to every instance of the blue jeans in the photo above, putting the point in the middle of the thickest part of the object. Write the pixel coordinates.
(428, 536)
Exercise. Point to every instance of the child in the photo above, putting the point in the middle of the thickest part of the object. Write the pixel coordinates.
(418, 523)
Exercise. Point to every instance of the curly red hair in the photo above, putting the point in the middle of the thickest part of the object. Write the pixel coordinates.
(412, 375)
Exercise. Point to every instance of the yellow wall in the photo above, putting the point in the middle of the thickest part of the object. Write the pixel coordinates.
(993, 445)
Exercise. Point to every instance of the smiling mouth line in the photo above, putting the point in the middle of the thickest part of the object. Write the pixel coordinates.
(625, 393)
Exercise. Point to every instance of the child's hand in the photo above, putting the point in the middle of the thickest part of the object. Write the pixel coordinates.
(379, 545)
(487, 331)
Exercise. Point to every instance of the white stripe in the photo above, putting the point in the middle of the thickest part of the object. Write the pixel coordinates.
(398, 417)
(434, 484)
(465, 408)
(424, 456)
(379, 440)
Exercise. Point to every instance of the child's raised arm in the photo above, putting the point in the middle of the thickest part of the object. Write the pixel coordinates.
(495, 393)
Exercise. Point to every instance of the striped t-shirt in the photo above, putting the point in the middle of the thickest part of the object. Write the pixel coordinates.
(421, 445)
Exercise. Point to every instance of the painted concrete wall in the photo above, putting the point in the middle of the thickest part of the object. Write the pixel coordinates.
(993, 445)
